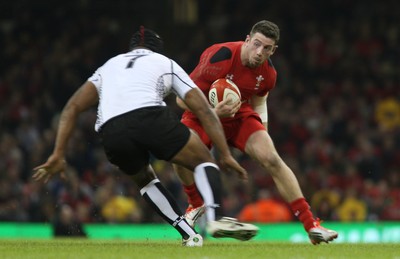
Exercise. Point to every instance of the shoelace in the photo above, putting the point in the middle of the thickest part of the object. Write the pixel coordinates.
(319, 221)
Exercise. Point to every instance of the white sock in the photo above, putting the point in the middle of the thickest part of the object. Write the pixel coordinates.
(204, 187)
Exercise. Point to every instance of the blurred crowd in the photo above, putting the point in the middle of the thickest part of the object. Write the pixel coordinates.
(334, 114)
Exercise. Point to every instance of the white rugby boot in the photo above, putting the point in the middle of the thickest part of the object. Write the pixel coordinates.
(231, 228)
(193, 214)
(320, 234)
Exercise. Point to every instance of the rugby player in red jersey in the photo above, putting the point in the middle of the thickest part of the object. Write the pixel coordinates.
(248, 64)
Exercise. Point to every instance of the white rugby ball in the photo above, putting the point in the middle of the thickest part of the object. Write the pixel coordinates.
(223, 89)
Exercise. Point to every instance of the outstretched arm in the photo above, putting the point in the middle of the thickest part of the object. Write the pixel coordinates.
(84, 98)
(198, 104)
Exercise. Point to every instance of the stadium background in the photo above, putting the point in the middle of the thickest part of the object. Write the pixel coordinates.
(334, 114)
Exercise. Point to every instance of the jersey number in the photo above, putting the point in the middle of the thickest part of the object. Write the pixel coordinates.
(132, 61)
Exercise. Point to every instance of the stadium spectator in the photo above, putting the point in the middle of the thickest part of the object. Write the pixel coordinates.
(66, 224)
(352, 209)
(387, 114)
(121, 209)
(265, 209)
(325, 202)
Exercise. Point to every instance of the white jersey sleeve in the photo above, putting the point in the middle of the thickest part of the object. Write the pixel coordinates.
(137, 79)
(181, 82)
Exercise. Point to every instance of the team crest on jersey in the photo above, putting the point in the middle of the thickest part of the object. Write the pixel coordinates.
(259, 79)
(229, 76)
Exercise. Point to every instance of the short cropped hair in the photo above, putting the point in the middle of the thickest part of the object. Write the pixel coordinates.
(148, 39)
(268, 29)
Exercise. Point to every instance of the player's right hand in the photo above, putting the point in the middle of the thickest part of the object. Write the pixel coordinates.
(229, 164)
(46, 171)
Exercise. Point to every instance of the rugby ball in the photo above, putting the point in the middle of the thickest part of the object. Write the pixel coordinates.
(223, 89)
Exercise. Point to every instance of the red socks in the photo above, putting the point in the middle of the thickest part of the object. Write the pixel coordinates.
(302, 211)
(193, 194)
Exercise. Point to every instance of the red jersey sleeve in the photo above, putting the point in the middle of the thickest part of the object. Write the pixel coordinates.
(214, 63)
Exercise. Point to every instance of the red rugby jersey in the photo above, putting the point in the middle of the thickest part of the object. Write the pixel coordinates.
(223, 61)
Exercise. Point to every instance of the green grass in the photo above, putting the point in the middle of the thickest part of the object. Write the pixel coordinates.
(212, 249)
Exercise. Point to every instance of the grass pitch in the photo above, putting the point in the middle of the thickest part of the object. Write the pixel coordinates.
(212, 249)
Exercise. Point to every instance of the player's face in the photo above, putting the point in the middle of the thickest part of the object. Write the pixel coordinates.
(257, 49)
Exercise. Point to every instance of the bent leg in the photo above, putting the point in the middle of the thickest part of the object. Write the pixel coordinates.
(162, 201)
(185, 174)
(192, 154)
(207, 179)
(206, 176)
(260, 147)
(186, 177)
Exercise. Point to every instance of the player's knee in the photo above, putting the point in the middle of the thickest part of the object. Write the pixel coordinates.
(143, 177)
(179, 169)
(270, 161)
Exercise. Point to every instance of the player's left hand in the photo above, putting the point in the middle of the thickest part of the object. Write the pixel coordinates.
(227, 108)
(46, 171)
